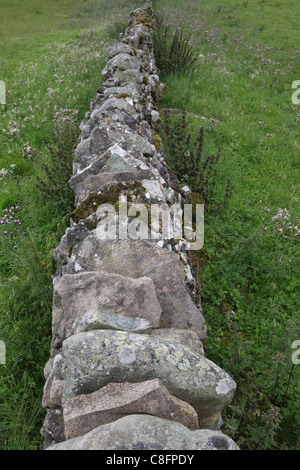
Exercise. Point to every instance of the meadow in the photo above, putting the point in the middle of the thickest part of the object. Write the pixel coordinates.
(51, 57)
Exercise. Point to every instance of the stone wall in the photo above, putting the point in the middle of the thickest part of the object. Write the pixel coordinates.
(127, 367)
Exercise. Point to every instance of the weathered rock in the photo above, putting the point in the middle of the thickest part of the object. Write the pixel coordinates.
(154, 189)
(129, 76)
(114, 159)
(103, 138)
(143, 258)
(100, 320)
(119, 104)
(95, 358)
(76, 295)
(54, 368)
(94, 183)
(124, 307)
(186, 337)
(144, 432)
(115, 400)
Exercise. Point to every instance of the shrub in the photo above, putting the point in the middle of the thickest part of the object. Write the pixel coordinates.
(54, 184)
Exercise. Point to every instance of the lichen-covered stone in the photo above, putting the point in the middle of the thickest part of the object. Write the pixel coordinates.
(144, 432)
(128, 311)
(95, 358)
(119, 48)
(186, 337)
(86, 412)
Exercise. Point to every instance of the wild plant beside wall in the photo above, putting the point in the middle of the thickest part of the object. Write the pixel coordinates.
(192, 164)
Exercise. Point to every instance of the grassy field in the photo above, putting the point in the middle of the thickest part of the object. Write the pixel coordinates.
(51, 57)
(241, 93)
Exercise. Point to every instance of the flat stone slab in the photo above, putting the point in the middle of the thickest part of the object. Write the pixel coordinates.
(119, 48)
(144, 258)
(96, 358)
(114, 159)
(116, 400)
(144, 432)
(75, 295)
(101, 320)
(94, 183)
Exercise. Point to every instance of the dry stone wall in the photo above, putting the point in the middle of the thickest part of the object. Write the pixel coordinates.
(127, 368)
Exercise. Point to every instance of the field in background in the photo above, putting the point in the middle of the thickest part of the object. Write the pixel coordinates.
(51, 57)
(241, 93)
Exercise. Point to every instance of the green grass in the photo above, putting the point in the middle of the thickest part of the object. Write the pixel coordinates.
(250, 276)
(52, 54)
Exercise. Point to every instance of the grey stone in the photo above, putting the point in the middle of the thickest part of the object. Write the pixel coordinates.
(119, 104)
(93, 184)
(53, 375)
(56, 391)
(53, 427)
(76, 295)
(114, 159)
(86, 412)
(129, 76)
(144, 258)
(103, 138)
(123, 62)
(130, 89)
(95, 358)
(144, 432)
(101, 320)
(154, 189)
